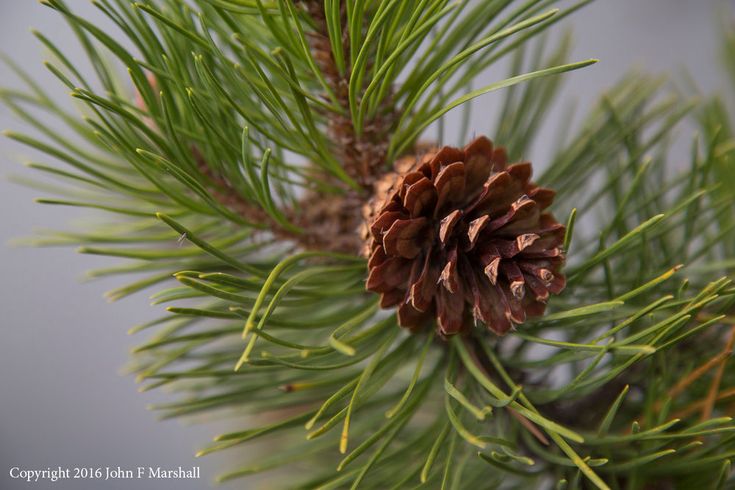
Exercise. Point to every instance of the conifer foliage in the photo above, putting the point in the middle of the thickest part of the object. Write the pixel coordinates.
(246, 153)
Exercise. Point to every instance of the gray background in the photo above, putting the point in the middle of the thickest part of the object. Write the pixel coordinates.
(63, 401)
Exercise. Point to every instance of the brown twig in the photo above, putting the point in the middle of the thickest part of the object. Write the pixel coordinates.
(530, 427)
(696, 374)
(696, 406)
(709, 403)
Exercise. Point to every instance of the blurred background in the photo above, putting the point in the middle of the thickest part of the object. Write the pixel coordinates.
(63, 399)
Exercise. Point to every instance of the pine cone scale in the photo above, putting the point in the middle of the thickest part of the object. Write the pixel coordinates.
(419, 196)
(406, 237)
(447, 224)
(450, 186)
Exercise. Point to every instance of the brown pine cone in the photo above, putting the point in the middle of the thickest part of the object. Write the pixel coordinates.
(460, 236)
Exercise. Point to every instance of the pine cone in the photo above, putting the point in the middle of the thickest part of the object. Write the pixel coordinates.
(461, 237)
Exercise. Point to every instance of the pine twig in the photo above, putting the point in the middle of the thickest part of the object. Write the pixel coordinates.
(714, 388)
(362, 154)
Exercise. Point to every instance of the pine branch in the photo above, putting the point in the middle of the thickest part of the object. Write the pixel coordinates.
(362, 153)
(237, 179)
